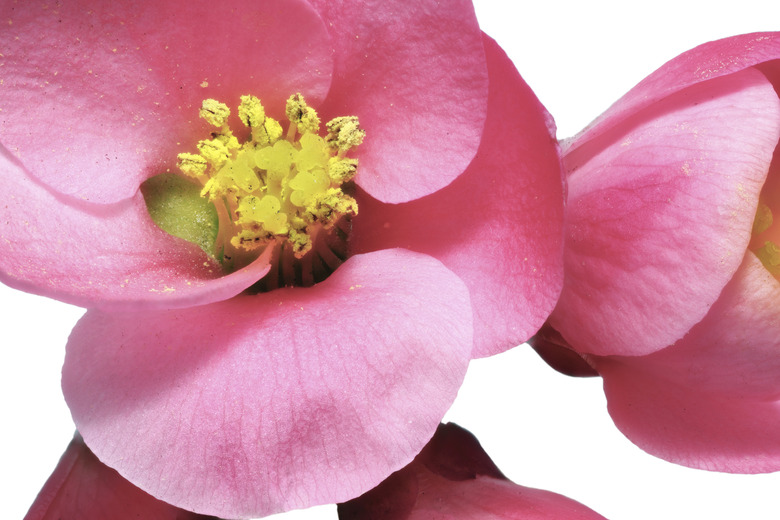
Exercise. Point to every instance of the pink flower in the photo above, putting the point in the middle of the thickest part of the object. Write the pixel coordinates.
(670, 291)
(82, 487)
(237, 403)
(453, 478)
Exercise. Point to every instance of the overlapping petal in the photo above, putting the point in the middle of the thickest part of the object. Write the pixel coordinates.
(82, 487)
(247, 404)
(707, 61)
(417, 77)
(663, 294)
(93, 92)
(660, 210)
(106, 255)
(275, 401)
(499, 225)
(711, 400)
(453, 478)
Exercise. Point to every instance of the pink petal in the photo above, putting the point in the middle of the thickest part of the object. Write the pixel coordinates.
(102, 256)
(453, 478)
(735, 349)
(660, 210)
(276, 401)
(707, 61)
(711, 400)
(687, 426)
(499, 225)
(99, 96)
(83, 488)
(414, 72)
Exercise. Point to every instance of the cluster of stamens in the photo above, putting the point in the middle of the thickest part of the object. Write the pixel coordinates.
(276, 189)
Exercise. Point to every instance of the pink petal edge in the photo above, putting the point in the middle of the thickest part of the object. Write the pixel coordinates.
(277, 401)
(83, 488)
(415, 75)
(659, 214)
(113, 256)
(707, 61)
(98, 96)
(499, 226)
(454, 479)
(711, 401)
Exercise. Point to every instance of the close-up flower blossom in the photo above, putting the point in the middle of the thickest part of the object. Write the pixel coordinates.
(453, 478)
(671, 287)
(307, 337)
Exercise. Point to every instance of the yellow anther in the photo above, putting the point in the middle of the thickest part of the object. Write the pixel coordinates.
(272, 129)
(301, 243)
(214, 151)
(763, 219)
(329, 206)
(192, 165)
(251, 112)
(342, 169)
(250, 239)
(214, 112)
(302, 115)
(344, 133)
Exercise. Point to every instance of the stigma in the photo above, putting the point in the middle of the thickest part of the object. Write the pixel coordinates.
(283, 189)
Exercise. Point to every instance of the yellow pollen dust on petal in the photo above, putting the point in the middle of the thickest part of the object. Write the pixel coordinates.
(273, 188)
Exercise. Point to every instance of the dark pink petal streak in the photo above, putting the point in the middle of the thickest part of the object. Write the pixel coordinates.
(415, 74)
(499, 225)
(277, 401)
(660, 210)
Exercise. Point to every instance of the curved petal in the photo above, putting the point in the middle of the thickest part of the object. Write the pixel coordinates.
(102, 255)
(711, 400)
(659, 214)
(685, 425)
(558, 354)
(250, 406)
(707, 61)
(735, 350)
(414, 72)
(97, 97)
(83, 487)
(453, 478)
(499, 226)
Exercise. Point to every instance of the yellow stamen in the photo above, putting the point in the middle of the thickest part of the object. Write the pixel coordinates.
(214, 112)
(270, 191)
(344, 133)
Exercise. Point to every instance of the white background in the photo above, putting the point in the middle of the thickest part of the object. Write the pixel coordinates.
(542, 429)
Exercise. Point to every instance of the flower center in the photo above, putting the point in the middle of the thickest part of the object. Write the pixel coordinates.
(766, 227)
(279, 190)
